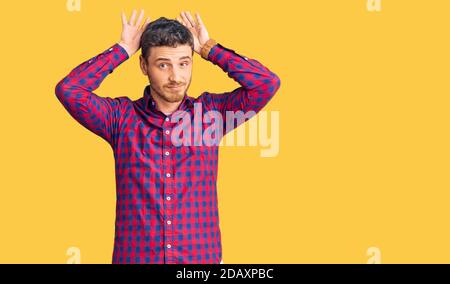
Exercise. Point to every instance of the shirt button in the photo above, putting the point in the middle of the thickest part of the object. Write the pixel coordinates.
(167, 132)
(168, 198)
(168, 175)
(169, 246)
(167, 119)
(167, 153)
(168, 222)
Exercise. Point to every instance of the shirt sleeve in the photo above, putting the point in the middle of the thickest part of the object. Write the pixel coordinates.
(75, 92)
(258, 86)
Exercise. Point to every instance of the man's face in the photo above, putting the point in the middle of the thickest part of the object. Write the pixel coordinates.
(169, 70)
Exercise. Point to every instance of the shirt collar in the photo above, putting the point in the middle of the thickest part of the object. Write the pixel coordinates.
(150, 104)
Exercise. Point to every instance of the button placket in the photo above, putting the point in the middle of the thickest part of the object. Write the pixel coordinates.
(168, 190)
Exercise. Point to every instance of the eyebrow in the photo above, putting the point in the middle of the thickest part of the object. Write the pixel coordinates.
(167, 59)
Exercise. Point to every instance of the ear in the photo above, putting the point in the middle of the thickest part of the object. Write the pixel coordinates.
(143, 64)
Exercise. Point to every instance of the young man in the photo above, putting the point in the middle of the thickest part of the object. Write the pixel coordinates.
(167, 208)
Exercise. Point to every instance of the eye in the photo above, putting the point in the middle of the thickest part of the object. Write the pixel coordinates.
(162, 65)
(184, 64)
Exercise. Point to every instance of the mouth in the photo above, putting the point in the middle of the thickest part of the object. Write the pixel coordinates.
(175, 87)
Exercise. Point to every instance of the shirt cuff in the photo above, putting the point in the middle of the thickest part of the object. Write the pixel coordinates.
(117, 54)
(220, 54)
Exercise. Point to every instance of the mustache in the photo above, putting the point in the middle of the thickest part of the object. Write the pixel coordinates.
(174, 85)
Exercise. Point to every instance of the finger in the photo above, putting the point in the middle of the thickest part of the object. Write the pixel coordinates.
(124, 19)
(199, 20)
(144, 26)
(180, 21)
(186, 20)
(141, 16)
(133, 18)
(183, 22)
(191, 20)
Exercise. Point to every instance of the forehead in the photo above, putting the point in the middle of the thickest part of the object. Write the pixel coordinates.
(170, 53)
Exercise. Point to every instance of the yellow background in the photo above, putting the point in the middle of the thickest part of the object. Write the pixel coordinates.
(364, 131)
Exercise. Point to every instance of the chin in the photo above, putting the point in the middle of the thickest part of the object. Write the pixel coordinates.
(174, 97)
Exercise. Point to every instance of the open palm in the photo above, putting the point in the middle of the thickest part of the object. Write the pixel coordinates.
(132, 32)
(197, 28)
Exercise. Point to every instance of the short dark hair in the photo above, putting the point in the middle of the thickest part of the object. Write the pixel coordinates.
(165, 32)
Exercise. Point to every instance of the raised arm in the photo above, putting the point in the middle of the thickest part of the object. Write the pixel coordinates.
(75, 91)
(258, 83)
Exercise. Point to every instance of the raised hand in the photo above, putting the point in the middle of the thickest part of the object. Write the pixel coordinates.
(132, 32)
(197, 29)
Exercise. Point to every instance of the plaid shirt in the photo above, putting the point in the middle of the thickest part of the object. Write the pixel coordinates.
(166, 210)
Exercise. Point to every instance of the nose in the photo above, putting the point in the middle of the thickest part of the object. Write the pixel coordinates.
(175, 76)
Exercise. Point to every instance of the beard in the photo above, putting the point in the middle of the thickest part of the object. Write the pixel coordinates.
(171, 95)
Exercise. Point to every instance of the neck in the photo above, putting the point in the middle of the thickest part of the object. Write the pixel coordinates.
(162, 105)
